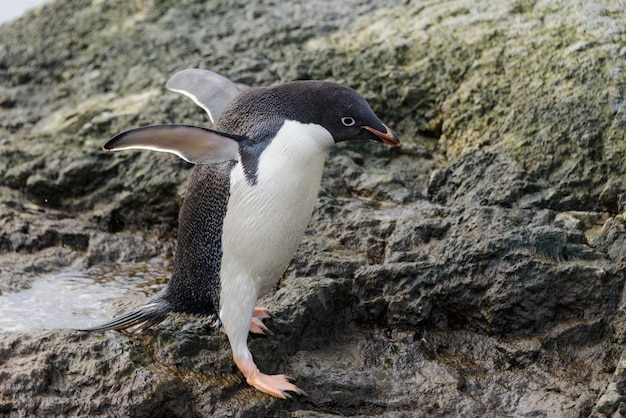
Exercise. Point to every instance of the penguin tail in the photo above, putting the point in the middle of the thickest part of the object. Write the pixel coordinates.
(141, 318)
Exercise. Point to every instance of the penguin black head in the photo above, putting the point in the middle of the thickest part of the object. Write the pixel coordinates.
(342, 111)
(339, 109)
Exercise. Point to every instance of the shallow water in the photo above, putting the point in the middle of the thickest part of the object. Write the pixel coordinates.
(79, 299)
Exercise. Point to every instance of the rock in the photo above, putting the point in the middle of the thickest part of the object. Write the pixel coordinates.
(478, 270)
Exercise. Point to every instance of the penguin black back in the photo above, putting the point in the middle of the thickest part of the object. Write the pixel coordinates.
(194, 286)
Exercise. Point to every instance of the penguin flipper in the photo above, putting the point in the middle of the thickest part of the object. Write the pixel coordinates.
(207, 89)
(191, 143)
(143, 317)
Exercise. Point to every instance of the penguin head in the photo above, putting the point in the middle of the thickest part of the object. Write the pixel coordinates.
(343, 112)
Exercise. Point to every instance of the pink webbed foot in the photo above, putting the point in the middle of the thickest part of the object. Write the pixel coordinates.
(277, 385)
(256, 325)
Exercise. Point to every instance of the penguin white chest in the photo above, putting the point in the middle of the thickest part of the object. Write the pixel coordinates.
(265, 221)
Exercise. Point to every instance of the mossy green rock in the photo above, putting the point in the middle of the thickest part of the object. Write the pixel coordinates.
(478, 270)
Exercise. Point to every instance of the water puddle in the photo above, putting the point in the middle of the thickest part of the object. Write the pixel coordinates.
(79, 299)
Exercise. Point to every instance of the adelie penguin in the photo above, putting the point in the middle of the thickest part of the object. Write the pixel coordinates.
(250, 197)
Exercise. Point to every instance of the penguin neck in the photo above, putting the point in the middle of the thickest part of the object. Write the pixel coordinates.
(297, 148)
(290, 168)
(265, 221)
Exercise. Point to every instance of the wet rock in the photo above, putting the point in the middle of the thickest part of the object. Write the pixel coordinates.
(478, 270)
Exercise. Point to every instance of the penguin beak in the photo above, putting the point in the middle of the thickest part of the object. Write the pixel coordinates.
(388, 137)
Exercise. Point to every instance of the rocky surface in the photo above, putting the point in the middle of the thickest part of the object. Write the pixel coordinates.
(478, 270)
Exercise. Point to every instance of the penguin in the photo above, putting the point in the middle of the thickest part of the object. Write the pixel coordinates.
(250, 197)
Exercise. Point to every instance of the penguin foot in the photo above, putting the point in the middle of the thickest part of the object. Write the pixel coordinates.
(277, 385)
(256, 325)
(261, 313)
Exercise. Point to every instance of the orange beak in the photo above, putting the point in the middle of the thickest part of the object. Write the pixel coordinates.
(388, 137)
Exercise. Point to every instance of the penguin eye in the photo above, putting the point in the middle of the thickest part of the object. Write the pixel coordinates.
(348, 121)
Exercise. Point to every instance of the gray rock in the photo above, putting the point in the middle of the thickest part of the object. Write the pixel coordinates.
(478, 270)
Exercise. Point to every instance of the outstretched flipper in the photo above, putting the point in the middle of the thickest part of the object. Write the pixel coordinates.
(143, 317)
(191, 143)
(207, 89)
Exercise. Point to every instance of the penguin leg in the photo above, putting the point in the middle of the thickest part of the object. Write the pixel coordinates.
(236, 318)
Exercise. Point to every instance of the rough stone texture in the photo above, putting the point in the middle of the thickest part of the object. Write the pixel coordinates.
(478, 270)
